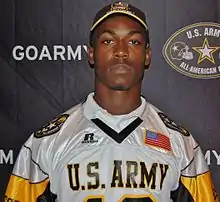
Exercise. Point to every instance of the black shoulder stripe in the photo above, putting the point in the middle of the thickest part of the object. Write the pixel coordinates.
(35, 161)
(194, 176)
(188, 164)
(181, 194)
(23, 178)
(47, 196)
(52, 127)
(195, 147)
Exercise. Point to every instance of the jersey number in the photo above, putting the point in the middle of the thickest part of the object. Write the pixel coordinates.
(129, 198)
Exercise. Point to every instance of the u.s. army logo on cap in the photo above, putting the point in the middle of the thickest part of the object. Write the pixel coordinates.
(119, 6)
(52, 127)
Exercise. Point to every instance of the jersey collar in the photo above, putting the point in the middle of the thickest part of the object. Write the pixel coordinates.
(92, 110)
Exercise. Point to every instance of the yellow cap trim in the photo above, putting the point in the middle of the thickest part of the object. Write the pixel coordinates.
(119, 11)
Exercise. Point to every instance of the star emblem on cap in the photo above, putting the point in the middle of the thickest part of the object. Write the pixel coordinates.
(205, 52)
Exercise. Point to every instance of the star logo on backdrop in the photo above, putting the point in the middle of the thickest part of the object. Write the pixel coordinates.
(205, 52)
(175, 48)
(194, 51)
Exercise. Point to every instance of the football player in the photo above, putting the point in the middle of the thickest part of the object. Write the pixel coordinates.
(115, 146)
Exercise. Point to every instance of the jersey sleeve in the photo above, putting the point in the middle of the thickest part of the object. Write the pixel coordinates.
(195, 182)
(29, 181)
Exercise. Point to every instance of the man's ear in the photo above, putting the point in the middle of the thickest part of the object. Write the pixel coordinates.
(91, 56)
(147, 57)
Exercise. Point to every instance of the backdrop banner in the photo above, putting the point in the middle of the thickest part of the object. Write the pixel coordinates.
(44, 68)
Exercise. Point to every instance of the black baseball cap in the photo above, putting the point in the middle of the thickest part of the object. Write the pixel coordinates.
(120, 8)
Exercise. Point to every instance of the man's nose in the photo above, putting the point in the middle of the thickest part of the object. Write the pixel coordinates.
(121, 50)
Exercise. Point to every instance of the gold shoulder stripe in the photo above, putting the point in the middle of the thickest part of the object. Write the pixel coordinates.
(200, 187)
(20, 189)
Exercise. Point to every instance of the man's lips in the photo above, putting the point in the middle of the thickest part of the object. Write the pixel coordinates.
(120, 68)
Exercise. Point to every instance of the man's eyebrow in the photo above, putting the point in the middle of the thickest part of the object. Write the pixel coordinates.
(108, 31)
(132, 32)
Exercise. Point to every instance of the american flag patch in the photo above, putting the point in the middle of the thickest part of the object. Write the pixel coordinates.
(157, 140)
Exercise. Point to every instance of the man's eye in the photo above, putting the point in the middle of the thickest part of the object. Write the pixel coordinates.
(108, 41)
(134, 42)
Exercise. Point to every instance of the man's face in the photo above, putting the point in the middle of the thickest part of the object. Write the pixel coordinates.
(119, 53)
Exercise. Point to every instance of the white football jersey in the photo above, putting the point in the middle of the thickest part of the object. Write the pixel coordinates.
(88, 155)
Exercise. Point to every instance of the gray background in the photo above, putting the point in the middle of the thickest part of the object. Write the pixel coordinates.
(33, 92)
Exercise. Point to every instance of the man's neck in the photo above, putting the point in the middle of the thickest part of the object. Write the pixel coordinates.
(118, 102)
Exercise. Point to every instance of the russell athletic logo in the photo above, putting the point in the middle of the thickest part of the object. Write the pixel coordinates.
(89, 138)
(194, 50)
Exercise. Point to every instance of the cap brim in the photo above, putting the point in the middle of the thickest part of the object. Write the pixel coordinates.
(118, 11)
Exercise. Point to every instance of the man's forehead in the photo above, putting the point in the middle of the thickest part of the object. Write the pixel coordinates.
(120, 23)
(121, 32)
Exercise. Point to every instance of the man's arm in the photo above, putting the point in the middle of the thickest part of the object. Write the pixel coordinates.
(195, 181)
(29, 181)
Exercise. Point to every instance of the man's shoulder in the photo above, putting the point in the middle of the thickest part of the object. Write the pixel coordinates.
(176, 132)
(158, 115)
(52, 134)
(55, 125)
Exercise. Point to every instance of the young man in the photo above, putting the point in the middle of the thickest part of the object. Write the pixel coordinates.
(115, 146)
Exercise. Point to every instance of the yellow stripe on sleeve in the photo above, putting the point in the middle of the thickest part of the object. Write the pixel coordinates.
(200, 187)
(20, 189)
